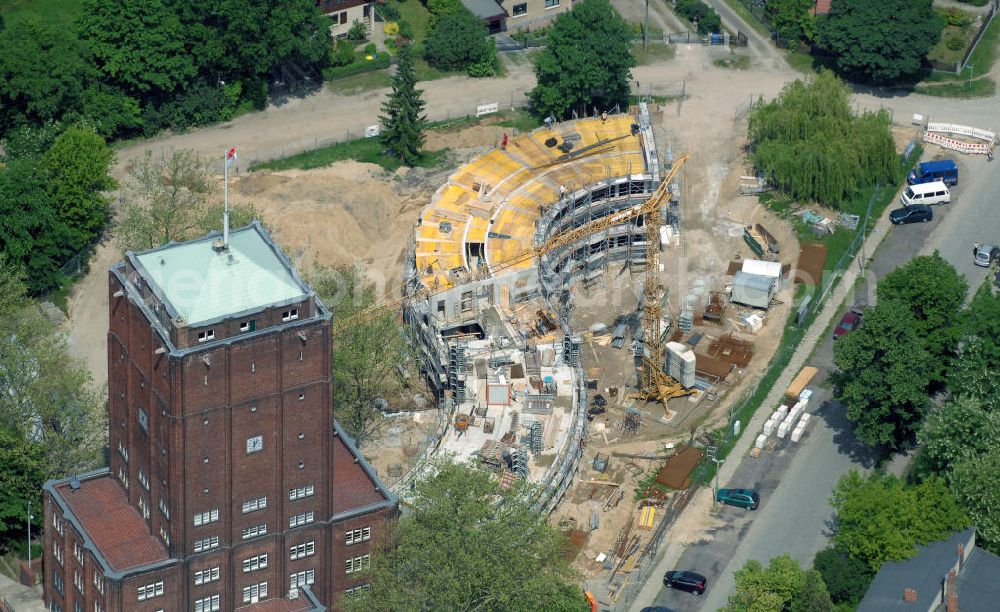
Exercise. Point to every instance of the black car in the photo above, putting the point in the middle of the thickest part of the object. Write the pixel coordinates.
(911, 214)
(686, 581)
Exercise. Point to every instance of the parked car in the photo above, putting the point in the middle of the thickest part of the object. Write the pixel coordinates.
(848, 323)
(985, 254)
(911, 214)
(926, 193)
(943, 170)
(683, 580)
(741, 498)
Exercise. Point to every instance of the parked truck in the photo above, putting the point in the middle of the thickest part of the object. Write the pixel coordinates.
(943, 170)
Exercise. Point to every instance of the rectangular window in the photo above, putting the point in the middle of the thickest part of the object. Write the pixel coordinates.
(206, 575)
(99, 583)
(57, 552)
(206, 543)
(300, 492)
(204, 518)
(143, 480)
(205, 336)
(143, 420)
(248, 326)
(164, 509)
(123, 477)
(301, 579)
(301, 519)
(551, 3)
(255, 592)
(252, 505)
(150, 591)
(359, 535)
(123, 451)
(144, 508)
(520, 9)
(165, 537)
(358, 563)
(356, 591)
(290, 315)
(78, 580)
(98, 607)
(255, 563)
(77, 552)
(57, 581)
(253, 532)
(207, 604)
(300, 551)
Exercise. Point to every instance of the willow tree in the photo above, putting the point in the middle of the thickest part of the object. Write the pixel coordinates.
(809, 143)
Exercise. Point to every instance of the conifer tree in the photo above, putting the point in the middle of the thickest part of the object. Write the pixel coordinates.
(402, 121)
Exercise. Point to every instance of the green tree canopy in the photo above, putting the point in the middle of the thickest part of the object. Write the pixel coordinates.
(959, 430)
(883, 373)
(782, 585)
(974, 370)
(933, 291)
(469, 545)
(402, 116)
(586, 61)
(975, 482)
(22, 474)
(43, 73)
(880, 41)
(846, 579)
(365, 354)
(809, 144)
(76, 170)
(881, 518)
(793, 20)
(458, 41)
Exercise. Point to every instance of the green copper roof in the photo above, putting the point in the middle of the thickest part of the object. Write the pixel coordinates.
(201, 284)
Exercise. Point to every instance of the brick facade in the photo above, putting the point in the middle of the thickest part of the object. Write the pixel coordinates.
(223, 451)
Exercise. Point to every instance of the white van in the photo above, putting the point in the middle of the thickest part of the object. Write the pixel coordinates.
(926, 193)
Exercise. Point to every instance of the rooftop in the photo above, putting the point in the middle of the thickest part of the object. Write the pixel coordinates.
(355, 484)
(976, 584)
(116, 528)
(484, 9)
(199, 283)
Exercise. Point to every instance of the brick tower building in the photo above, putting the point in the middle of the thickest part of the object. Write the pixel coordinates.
(230, 485)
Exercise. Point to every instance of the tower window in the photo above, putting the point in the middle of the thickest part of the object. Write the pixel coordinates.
(205, 336)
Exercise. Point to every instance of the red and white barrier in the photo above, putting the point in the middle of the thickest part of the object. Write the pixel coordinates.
(935, 134)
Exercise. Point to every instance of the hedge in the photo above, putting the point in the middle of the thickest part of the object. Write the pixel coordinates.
(362, 65)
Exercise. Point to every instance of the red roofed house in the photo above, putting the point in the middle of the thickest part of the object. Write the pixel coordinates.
(822, 7)
(231, 486)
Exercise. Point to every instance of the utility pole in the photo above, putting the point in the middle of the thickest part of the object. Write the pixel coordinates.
(645, 28)
(29, 536)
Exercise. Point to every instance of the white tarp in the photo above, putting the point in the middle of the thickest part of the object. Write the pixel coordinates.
(771, 269)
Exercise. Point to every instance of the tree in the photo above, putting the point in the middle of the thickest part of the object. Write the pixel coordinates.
(959, 430)
(21, 480)
(975, 482)
(973, 370)
(402, 120)
(880, 518)
(458, 41)
(365, 354)
(586, 61)
(47, 400)
(933, 291)
(879, 41)
(809, 144)
(883, 369)
(139, 45)
(845, 578)
(760, 590)
(472, 544)
(76, 170)
(813, 597)
(173, 198)
(793, 20)
(42, 73)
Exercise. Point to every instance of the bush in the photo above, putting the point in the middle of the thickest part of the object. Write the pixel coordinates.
(955, 44)
(699, 13)
(370, 49)
(343, 54)
(458, 41)
(388, 11)
(483, 69)
(956, 17)
(846, 579)
(358, 31)
(405, 29)
(391, 28)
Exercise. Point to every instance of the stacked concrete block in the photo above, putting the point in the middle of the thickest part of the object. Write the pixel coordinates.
(783, 430)
(769, 426)
(681, 363)
(761, 440)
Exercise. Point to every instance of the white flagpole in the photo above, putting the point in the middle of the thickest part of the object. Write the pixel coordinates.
(225, 190)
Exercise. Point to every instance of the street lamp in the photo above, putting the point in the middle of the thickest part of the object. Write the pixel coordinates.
(29, 536)
(718, 463)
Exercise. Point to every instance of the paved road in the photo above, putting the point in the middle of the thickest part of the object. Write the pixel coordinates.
(796, 482)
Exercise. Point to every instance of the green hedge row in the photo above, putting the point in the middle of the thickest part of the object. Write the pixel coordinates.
(361, 65)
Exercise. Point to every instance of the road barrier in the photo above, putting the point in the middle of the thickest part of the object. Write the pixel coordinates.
(935, 133)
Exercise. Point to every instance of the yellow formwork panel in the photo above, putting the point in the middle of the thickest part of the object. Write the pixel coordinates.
(477, 230)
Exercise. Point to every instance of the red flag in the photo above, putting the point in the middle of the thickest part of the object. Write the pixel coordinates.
(230, 156)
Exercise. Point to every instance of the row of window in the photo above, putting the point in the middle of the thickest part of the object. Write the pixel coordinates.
(255, 563)
(255, 592)
(253, 505)
(207, 575)
(355, 536)
(207, 543)
(207, 604)
(300, 492)
(150, 590)
(247, 326)
(357, 564)
(522, 9)
(301, 519)
(204, 518)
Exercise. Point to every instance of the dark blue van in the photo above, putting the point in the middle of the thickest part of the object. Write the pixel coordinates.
(941, 170)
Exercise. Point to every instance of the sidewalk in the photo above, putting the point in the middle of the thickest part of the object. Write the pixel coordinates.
(19, 598)
(672, 553)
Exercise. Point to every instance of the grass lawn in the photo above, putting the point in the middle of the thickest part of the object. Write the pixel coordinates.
(654, 53)
(367, 150)
(61, 12)
(977, 88)
(357, 83)
(417, 15)
(958, 36)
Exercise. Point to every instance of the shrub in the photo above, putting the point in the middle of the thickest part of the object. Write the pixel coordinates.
(956, 17)
(458, 41)
(337, 72)
(343, 54)
(483, 69)
(358, 31)
(391, 28)
(370, 49)
(388, 11)
(955, 44)
(405, 29)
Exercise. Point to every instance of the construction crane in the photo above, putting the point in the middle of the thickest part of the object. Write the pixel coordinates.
(655, 384)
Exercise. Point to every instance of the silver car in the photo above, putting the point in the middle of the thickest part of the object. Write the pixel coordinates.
(985, 254)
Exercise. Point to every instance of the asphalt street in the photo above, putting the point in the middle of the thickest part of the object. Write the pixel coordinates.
(796, 480)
